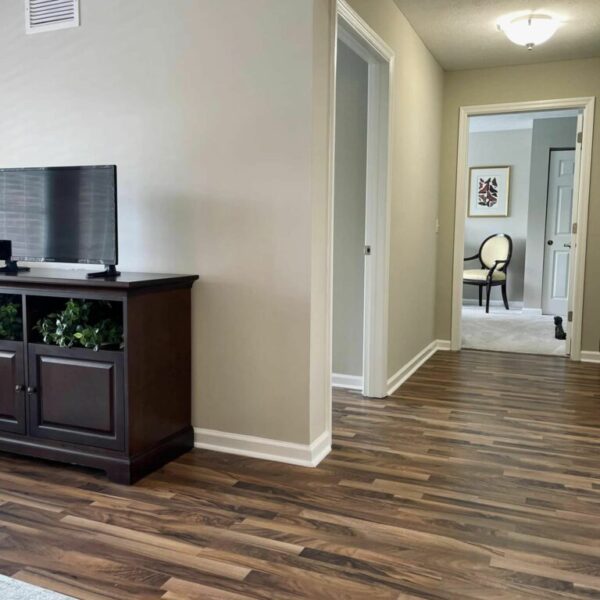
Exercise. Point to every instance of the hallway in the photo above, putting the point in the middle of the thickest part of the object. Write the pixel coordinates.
(479, 479)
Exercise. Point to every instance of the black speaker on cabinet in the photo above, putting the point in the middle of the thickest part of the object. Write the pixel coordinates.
(10, 266)
(5, 250)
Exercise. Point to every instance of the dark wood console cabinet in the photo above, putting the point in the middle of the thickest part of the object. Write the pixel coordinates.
(127, 411)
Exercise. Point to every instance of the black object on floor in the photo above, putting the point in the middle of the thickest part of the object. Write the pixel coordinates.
(559, 332)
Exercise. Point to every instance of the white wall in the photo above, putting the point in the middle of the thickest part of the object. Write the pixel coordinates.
(215, 112)
(502, 148)
(349, 211)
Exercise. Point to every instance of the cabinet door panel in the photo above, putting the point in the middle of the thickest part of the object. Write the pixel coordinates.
(12, 400)
(77, 396)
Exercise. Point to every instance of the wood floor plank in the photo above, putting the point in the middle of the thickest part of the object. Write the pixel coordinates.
(478, 479)
(187, 590)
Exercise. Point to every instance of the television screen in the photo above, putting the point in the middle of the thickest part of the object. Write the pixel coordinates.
(60, 214)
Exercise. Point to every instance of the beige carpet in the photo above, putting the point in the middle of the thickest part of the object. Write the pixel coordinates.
(509, 331)
(12, 589)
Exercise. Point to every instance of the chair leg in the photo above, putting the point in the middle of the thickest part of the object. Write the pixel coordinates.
(480, 295)
(504, 297)
(488, 290)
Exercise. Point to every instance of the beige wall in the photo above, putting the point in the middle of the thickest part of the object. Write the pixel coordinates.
(321, 217)
(216, 113)
(511, 84)
(418, 87)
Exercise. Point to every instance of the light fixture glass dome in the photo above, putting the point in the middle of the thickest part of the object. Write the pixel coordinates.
(529, 30)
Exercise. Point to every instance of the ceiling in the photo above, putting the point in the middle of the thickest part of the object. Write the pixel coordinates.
(462, 34)
(507, 122)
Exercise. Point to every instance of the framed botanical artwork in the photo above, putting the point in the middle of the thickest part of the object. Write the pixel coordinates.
(489, 191)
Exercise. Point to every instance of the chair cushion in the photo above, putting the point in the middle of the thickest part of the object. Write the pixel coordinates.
(481, 275)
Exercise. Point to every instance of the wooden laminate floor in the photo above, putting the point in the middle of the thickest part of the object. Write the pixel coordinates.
(480, 478)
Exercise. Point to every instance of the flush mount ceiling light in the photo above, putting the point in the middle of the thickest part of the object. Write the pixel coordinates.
(529, 29)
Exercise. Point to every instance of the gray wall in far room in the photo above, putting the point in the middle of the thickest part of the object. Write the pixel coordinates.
(502, 148)
(349, 211)
(547, 134)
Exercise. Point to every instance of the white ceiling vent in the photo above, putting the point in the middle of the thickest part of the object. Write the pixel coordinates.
(47, 15)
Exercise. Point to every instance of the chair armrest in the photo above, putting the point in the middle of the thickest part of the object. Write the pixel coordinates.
(491, 271)
(471, 258)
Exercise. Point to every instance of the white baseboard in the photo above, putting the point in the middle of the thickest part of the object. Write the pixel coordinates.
(443, 345)
(305, 455)
(514, 304)
(590, 356)
(349, 382)
(396, 380)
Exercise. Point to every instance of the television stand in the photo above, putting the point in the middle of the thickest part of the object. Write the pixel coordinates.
(12, 268)
(109, 273)
(125, 410)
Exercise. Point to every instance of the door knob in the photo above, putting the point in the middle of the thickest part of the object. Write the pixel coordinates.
(550, 242)
(31, 390)
(19, 388)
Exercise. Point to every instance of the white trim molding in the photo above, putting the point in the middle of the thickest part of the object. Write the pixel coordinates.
(398, 378)
(587, 105)
(590, 356)
(349, 382)
(534, 312)
(444, 345)
(304, 455)
(515, 305)
(360, 27)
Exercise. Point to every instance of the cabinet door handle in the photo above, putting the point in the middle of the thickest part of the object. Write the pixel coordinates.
(31, 390)
(19, 388)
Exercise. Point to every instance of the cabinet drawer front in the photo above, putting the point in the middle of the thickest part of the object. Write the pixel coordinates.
(76, 399)
(12, 396)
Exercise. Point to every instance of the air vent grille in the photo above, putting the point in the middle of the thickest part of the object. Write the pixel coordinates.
(47, 15)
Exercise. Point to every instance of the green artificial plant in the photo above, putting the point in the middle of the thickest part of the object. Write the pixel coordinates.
(11, 322)
(81, 323)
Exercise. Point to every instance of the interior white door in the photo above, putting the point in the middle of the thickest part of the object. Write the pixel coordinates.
(559, 214)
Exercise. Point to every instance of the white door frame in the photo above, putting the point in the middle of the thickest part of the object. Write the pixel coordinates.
(574, 220)
(581, 202)
(355, 32)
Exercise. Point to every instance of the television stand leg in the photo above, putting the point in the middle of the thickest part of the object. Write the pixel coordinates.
(109, 273)
(12, 268)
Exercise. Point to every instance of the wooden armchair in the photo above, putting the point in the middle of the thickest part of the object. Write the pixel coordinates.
(494, 256)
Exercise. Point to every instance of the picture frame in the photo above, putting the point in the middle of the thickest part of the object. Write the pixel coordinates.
(489, 191)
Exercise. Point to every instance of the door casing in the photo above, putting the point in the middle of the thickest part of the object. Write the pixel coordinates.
(580, 206)
(355, 32)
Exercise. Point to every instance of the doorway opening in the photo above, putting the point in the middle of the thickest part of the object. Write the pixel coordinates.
(364, 65)
(520, 243)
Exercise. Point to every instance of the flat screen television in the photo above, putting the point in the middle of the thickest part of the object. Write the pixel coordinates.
(60, 214)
